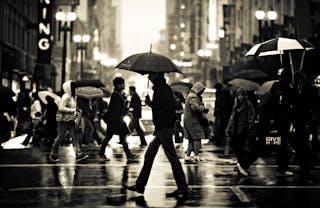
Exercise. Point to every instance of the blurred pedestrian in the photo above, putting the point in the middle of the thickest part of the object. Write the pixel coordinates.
(178, 129)
(117, 110)
(135, 110)
(163, 116)
(50, 123)
(305, 98)
(222, 112)
(193, 114)
(23, 113)
(36, 118)
(240, 128)
(274, 112)
(99, 107)
(67, 116)
(8, 114)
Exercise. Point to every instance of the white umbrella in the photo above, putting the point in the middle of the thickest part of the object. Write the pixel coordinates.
(43, 94)
(277, 46)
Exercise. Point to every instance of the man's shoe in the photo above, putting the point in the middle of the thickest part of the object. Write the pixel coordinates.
(103, 157)
(241, 170)
(133, 188)
(285, 174)
(54, 158)
(81, 157)
(178, 193)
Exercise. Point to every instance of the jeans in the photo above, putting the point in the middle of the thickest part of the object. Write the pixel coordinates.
(123, 141)
(134, 124)
(193, 145)
(163, 137)
(63, 127)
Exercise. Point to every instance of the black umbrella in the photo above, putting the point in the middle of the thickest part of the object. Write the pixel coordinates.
(145, 63)
(182, 87)
(88, 82)
(250, 74)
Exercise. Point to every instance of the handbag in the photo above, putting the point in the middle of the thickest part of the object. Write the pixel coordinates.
(62, 116)
(271, 141)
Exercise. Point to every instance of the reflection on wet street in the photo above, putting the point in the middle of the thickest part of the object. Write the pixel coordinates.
(29, 180)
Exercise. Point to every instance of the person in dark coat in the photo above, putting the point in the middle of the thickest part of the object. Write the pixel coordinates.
(303, 109)
(135, 110)
(114, 119)
(163, 117)
(50, 123)
(241, 125)
(178, 129)
(8, 113)
(222, 112)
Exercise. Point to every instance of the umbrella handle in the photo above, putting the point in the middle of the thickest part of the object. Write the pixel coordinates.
(291, 67)
(302, 60)
(148, 88)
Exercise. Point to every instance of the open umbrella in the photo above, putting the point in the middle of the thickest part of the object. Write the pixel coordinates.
(245, 84)
(145, 63)
(277, 46)
(182, 87)
(266, 87)
(43, 94)
(250, 74)
(89, 92)
(88, 82)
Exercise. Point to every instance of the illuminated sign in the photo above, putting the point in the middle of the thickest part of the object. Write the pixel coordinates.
(44, 31)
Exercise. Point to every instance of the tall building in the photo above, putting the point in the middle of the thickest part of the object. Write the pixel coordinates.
(18, 38)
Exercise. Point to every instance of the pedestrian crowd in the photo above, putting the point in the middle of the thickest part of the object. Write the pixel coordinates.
(285, 120)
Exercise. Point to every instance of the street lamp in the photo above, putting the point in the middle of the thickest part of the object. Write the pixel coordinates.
(81, 42)
(272, 16)
(63, 20)
(260, 16)
(204, 55)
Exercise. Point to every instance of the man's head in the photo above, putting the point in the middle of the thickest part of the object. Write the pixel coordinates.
(156, 77)
(118, 83)
(132, 90)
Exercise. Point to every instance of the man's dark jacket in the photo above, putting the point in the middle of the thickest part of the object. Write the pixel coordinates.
(135, 103)
(116, 111)
(163, 106)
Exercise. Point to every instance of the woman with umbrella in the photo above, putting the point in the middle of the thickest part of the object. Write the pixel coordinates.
(66, 123)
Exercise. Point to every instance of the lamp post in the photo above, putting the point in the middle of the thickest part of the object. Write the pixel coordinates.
(81, 42)
(272, 16)
(204, 55)
(260, 16)
(63, 20)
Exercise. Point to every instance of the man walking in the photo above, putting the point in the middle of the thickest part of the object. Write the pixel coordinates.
(163, 113)
(135, 109)
(114, 120)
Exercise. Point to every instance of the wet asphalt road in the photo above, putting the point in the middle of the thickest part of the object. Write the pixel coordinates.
(27, 179)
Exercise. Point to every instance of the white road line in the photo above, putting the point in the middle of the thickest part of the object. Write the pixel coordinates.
(124, 164)
(241, 196)
(235, 188)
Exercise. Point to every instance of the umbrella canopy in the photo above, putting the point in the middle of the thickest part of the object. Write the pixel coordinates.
(250, 74)
(88, 82)
(89, 92)
(145, 63)
(266, 87)
(182, 87)
(276, 46)
(245, 84)
(43, 94)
